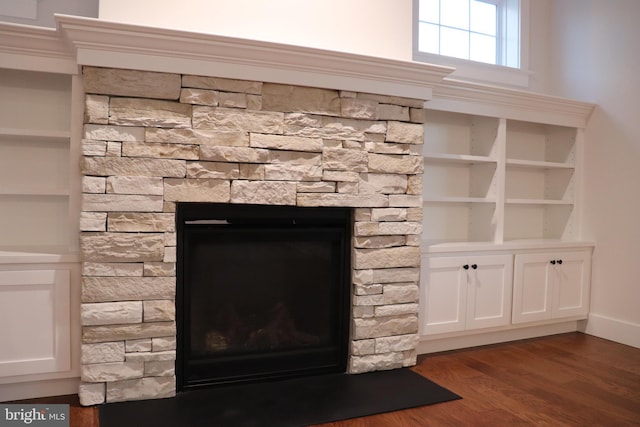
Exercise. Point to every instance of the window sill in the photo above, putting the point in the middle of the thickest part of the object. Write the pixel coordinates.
(477, 71)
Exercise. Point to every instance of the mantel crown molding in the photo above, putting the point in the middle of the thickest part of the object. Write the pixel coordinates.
(110, 44)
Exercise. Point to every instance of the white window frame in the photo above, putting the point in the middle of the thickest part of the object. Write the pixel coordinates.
(483, 72)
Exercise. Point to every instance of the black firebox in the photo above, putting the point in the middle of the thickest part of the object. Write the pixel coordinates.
(263, 292)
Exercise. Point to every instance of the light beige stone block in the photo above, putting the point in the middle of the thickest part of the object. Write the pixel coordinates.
(364, 228)
(160, 150)
(393, 112)
(405, 133)
(401, 293)
(213, 170)
(384, 326)
(396, 343)
(149, 113)
(362, 311)
(394, 100)
(348, 200)
(122, 82)
(90, 147)
(253, 172)
(158, 356)
(368, 300)
(218, 83)
(164, 343)
(396, 275)
(141, 389)
(113, 133)
(232, 100)
(375, 183)
(406, 227)
(347, 187)
(151, 186)
(418, 115)
(362, 277)
(375, 362)
(316, 187)
(160, 368)
(197, 190)
(102, 352)
(414, 214)
(95, 334)
(125, 166)
(159, 310)
(122, 247)
(233, 154)
(121, 203)
(344, 159)
(359, 108)
(199, 97)
(371, 242)
(93, 221)
(113, 371)
(414, 184)
(96, 109)
(141, 222)
(295, 158)
(143, 345)
(92, 393)
(197, 136)
(114, 149)
(362, 347)
(113, 269)
(292, 172)
(405, 201)
(111, 313)
(396, 309)
(159, 269)
(402, 256)
(93, 184)
(389, 214)
(394, 164)
(233, 120)
(264, 192)
(340, 176)
(286, 98)
(391, 148)
(99, 289)
(283, 142)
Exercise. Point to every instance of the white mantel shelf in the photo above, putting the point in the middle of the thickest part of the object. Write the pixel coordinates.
(108, 44)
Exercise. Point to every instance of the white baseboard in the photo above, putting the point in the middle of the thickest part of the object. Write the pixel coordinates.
(475, 339)
(611, 329)
(35, 389)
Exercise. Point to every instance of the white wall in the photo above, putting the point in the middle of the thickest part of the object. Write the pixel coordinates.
(46, 8)
(369, 27)
(595, 56)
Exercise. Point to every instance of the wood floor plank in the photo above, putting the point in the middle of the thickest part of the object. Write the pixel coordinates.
(563, 380)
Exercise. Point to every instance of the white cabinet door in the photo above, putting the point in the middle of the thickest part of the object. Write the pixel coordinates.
(551, 286)
(489, 280)
(444, 295)
(572, 278)
(461, 293)
(34, 322)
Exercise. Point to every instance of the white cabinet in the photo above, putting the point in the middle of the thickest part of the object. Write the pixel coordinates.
(464, 293)
(551, 285)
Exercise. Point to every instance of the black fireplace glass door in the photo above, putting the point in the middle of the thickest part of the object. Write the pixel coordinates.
(262, 298)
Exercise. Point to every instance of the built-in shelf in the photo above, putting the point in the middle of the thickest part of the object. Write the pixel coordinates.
(538, 164)
(457, 158)
(40, 134)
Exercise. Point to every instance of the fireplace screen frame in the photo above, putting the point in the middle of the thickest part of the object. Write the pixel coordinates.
(326, 358)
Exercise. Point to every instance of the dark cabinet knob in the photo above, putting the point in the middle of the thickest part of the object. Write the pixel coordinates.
(559, 261)
(553, 261)
(474, 266)
(466, 266)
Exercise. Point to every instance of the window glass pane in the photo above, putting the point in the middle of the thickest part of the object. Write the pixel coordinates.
(483, 17)
(454, 43)
(429, 38)
(483, 48)
(430, 11)
(455, 13)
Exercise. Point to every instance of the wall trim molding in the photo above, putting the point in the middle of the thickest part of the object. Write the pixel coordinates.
(612, 329)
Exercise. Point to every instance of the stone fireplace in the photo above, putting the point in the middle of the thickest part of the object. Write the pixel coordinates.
(152, 140)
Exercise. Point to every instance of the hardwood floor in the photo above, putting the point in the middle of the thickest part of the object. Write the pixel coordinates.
(563, 380)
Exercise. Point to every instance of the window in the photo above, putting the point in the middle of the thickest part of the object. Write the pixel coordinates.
(471, 33)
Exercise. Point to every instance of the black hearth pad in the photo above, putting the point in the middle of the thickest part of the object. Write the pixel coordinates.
(294, 402)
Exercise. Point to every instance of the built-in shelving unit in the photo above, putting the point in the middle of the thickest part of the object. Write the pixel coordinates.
(35, 162)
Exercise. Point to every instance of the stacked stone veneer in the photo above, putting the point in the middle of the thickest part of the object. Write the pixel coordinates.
(152, 140)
